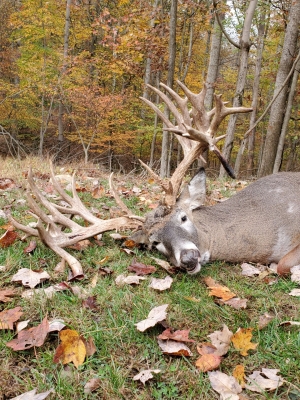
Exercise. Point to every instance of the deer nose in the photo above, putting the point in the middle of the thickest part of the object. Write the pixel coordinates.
(189, 258)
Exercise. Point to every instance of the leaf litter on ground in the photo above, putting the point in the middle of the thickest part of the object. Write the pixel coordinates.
(161, 284)
(29, 277)
(145, 375)
(157, 314)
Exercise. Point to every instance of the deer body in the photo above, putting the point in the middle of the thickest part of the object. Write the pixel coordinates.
(261, 223)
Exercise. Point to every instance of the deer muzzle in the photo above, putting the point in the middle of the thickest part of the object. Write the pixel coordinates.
(190, 260)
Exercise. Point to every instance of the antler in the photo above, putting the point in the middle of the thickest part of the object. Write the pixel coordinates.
(51, 233)
(196, 131)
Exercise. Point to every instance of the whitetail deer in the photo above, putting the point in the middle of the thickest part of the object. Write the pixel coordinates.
(259, 224)
(177, 222)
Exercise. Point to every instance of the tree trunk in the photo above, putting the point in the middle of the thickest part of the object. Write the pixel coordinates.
(170, 79)
(278, 108)
(241, 80)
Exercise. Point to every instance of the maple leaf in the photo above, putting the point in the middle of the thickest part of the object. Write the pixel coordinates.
(30, 278)
(221, 340)
(266, 379)
(156, 315)
(161, 284)
(8, 317)
(145, 375)
(242, 341)
(227, 386)
(6, 294)
(174, 348)
(208, 362)
(8, 238)
(33, 337)
(179, 336)
(239, 374)
(71, 348)
(218, 290)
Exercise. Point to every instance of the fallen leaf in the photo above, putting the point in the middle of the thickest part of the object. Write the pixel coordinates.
(140, 268)
(98, 192)
(90, 302)
(241, 341)
(81, 245)
(8, 317)
(31, 247)
(92, 385)
(295, 292)
(47, 292)
(206, 348)
(94, 280)
(117, 236)
(208, 362)
(178, 336)
(156, 315)
(129, 243)
(165, 265)
(161, 284)
(31, 395)
(21, 325)
(265, 319)
(235, 302)
(8, 238)
(209, 281)
(30, 278)
(221, 340)
(71, 348)
(56, 325)
(145, 375)
(79, 291)
(6, 183)
(122, 280)
(266, 379)
(227, 386)
(33, 337)
(295, 277)
(60, 267)
(239, 375)
(7, 294)
(174, 348)
(89, 346)
(222, 292)
(249, 270)
(105, 271)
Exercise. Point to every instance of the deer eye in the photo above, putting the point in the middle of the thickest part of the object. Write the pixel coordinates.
(183, 218)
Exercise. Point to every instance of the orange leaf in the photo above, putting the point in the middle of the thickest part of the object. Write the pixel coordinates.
(5, 295)
(33, 337)
(178, 336)
(222, 292)
(8, 317)
(208, 362)
(8, 238)
(71, 348)
(242, 341)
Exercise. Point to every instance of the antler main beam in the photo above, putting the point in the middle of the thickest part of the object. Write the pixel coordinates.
(195, 128)
(49, 227)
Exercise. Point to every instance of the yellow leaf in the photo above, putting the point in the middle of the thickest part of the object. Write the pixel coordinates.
(239, 374)
(221, 291)
(72, 348)
(242, 341)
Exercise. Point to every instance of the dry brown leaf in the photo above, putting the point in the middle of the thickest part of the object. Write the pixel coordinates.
(161, 284)
(81, 245)
(249, 270)
(21, 325)
(129, 243)
(156, 315)
(178, 336)
(90, 302)
(206, 348)
(235, 302)
(227, 386)
(295, 292)
(71, 348)
(266, 379)
(140, 268)
(89, 346)
(7, 294)
(8, 317)
(265, 319)
(145, 375)
(209, 281)
(241, 341)
(79, 291)
(56, 325)
(60, 267)
(222, 292)
(33, 337)
(31, 247)
(30, 278)
(31, 395)
(122, 280)
(92, 385)
(8, 238)
(208, 362)
(174, 348)
(165, 265)
(295, 277)
(221, 340)
(239, 374)
(98, 192)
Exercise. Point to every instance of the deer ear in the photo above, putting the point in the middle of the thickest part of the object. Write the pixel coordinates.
(194, 194)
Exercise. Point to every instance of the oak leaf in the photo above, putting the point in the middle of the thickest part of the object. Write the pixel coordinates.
(33, 337)
(71, 348)
(6, 294)
(156, 315)
(266, 379)
(174, 348)
(242, 341)
(8, 317)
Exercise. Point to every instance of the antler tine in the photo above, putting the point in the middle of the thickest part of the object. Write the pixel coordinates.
(182, 104)
(161, 115)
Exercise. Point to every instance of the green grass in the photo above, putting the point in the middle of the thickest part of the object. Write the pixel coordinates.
(122, 351)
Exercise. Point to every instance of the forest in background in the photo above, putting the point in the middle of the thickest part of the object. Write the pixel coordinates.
(72, 72)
